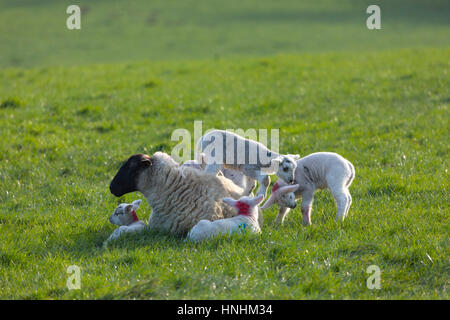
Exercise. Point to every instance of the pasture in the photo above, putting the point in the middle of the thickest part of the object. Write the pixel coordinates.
(69, 120)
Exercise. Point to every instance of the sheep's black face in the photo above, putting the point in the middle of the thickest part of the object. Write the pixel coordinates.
(126, 179)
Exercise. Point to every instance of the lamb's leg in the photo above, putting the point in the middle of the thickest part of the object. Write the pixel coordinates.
(260, 217)
(264, 182)
(253, 172)
(342, 202)
(250, 185)
(306, 205)
(282, 212)
(349, 203)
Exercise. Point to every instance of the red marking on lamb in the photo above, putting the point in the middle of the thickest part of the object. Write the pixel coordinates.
(275, 186)
(134, 215)
(243, 208)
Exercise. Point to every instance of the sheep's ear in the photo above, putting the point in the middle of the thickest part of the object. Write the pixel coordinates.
(274, 165)
(136, 203)
(289, 188)
(294, 156)
(269, 202)
(146, 162)
(128, 208)
(277, 160)
(229, 201)
(281, 183)
(257, 200)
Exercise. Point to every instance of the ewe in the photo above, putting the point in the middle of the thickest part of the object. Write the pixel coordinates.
(319, 171)
(247, 219)
(179, 196)
(253, 159)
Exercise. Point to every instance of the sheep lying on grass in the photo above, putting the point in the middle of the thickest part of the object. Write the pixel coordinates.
(125, 216)
(246, 220)
(179, 196)
(319, 171)
(282, 194)
(253, 159)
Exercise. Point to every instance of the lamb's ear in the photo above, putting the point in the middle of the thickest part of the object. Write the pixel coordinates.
(136, 203)
(294, 156)
(277, 160)
(274, 165)
(229, 201)
(257, 200)
(288, 188)
(128, 208)
(269, 202)
(281, 183)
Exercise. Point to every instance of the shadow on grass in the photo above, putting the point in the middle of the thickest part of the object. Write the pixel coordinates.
(143, 290)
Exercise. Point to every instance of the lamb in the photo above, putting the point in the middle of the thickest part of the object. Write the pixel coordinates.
(253, 159)
(322, 170)
(247, 219)
(125, 216)
(282, 194)
(237, 177)
(179, 196)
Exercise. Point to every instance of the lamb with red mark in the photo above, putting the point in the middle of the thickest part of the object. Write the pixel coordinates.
(247, 219)
(125, 216)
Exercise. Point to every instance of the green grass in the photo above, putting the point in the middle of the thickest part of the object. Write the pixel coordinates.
(65, 131)
(34, 33)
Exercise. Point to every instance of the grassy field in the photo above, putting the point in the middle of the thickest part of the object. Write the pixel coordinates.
(68, 121)
(34, 33)
(66, 130)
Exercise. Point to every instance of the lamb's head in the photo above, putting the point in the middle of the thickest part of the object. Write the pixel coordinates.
(246, 206)
(126, 179)
(125, 213)
(283, 195)
(286, 167)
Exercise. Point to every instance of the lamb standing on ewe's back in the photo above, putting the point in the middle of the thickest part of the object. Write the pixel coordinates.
(179, 196)
(237, 177)
(229, 150)
(247, 219)
(319, 171)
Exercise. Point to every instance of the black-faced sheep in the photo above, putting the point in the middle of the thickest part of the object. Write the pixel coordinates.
(179, 196)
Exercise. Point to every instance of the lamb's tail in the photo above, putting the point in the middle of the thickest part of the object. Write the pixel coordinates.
(352, 174)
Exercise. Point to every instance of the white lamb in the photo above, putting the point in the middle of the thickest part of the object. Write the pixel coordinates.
(282, 194)
(319, 171)
(246, 220)
(125, 216)
(253, 159)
